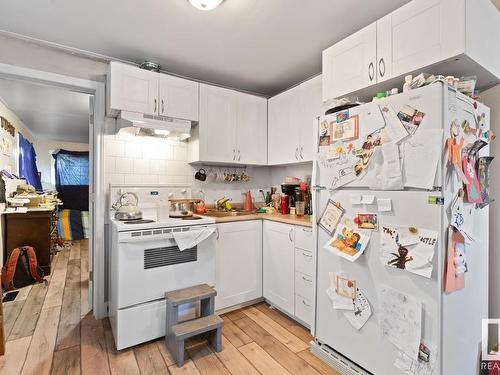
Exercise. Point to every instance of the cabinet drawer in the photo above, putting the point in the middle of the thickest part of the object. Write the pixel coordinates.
(304, 285)
(304, 262)
(304, 238)
(303, 309)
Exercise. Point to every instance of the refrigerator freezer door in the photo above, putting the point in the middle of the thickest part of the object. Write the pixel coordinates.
(428, 99)
(367, 347)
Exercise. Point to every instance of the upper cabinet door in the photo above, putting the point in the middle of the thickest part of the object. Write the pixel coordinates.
(251, 137)
(218, 119)
(384, 48)
(422, 33)
(283, 139)
(351, 63)
(178, 98)
(311, 107)
(133, 89)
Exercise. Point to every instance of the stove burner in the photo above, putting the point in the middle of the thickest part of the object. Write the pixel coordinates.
(192, 218)
(140, 221)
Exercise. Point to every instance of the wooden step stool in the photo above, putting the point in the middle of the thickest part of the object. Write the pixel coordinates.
(209, 323)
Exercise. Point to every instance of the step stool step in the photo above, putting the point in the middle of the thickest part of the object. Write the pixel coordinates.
(191, 294)
(196, 326)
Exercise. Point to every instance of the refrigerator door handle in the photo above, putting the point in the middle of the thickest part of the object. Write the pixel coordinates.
(318, 187)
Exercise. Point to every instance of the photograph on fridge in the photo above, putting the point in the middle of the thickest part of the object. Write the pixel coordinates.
(348, 243)
(408, 248)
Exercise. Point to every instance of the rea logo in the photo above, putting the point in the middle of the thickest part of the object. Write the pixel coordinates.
(490, 344)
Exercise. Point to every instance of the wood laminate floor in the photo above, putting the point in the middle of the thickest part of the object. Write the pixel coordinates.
(51, 330)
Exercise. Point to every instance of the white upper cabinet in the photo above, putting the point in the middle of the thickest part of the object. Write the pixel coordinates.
(405, 44)
(218, 116)
(178, 98)
(137, 90)
(291, 123)
(311, 107)
(350, 64)
(132, 89)
(283, 137)
(232, 128)
(435, 36)
(251, 131)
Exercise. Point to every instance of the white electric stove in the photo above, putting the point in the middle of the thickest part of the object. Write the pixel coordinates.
(145, 263)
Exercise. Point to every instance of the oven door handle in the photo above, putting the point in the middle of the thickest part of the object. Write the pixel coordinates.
(163, 237)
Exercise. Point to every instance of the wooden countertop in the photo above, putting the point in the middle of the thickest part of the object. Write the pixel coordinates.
(287, 219)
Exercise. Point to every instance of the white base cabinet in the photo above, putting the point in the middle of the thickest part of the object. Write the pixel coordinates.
(238, 263)
(289, 269)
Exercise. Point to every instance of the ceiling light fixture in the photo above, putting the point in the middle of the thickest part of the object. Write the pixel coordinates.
(205, 4)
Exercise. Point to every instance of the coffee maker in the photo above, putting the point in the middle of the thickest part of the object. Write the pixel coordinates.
(289, 190)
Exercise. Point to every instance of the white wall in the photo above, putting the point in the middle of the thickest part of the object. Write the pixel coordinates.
(491, 98)
(44, 149)
(7, 162)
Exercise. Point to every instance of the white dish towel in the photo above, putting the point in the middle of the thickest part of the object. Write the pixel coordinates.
(191, 238)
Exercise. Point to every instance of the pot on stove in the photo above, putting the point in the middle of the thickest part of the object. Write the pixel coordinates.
(182, 207)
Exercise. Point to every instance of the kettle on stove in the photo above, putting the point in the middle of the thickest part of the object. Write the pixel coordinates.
(127, 207)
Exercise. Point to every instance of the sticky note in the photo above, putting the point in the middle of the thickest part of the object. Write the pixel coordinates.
(368, 199)
(384, 204)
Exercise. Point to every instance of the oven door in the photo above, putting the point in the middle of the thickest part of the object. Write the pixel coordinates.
(150, 265)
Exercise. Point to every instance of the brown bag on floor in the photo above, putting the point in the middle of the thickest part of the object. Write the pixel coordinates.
(21, 269)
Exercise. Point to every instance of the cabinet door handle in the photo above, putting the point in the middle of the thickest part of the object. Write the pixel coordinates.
(371, 71)
(156, 105)
(234, 154)
(381, 64)
(290, 235)
(296, 153)
(306, 304)
(301, 149)
(307, 255)
(306, 279)
(162, 106)
(217, 231)
(307, 230)
(239, 155)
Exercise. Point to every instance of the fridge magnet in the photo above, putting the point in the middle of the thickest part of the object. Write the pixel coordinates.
(339, 302)
(410, 118)
(362, 311)
(460, 260)
(367, 221)
(331, 216)
(483, 171)
(342, 116)
(345, 287)
(348, 243)
(401, 320)
(408, 248)
(453, 280)
(324, 133)
(346, 130)
(473, 192)
(423, 365)
(364, 154)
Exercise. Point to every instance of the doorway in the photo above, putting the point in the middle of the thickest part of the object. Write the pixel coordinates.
(95, 92)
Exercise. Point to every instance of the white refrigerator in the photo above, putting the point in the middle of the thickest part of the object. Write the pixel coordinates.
(450, 321)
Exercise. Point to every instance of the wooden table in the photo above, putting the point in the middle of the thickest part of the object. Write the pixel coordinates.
(36, 228)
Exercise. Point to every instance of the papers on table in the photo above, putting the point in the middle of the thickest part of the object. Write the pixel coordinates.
(401, 320)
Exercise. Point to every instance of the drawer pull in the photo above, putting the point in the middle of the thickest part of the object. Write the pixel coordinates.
(305, 303)
(307, 230)
(307, 255)
(306, 279)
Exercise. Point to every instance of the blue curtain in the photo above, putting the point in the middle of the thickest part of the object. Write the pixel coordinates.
(27, 163)
(72, 179)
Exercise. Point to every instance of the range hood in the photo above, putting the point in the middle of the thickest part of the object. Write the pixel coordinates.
(153, 126)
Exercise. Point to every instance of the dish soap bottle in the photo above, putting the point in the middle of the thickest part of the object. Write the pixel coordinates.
(248, 201)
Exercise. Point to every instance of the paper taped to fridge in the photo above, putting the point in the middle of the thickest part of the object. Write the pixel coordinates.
(348, 243)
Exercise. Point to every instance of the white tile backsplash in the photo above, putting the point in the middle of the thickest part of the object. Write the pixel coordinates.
(134, 160)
